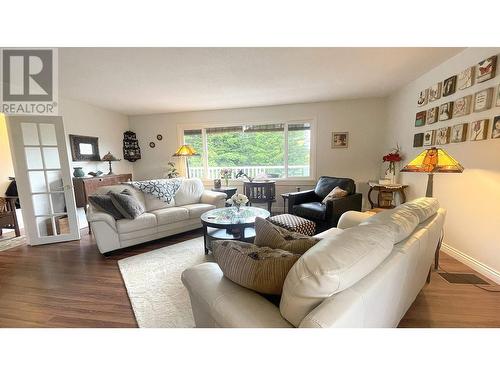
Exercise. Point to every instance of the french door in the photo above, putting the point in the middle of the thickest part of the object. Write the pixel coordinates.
(43, 176)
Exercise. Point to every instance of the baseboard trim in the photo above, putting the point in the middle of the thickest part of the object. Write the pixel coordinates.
(473, 263)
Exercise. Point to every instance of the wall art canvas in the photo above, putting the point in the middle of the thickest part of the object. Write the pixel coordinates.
(462, 106)
(422, 98)
(482, 100)
(418, 140)
(478, 130)
(465, 78)
(449, 86)
(445, 111)
(458, 133)
(495, 132)
(420, 118)
(430, 138)
(443, 136)
(340, 139)
(486, 69)
(435, 91)
(498, 97)
(432, 115)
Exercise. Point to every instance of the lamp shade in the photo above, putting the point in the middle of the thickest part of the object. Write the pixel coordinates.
(109, 157)
(433, 160)
(185, 150)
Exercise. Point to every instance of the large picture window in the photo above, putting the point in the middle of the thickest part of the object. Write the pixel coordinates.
(275, 150)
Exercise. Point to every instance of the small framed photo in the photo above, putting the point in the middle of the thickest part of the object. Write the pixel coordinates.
(486, 69)
(479, 130)
(498, 97)
(432, 115)
(340, 139)
(443, 136)
(482, 100)
(449, 86)
(418, 140)
(420, 118)
(435, 91)
(495, 132)
(462, 106)
(459, 133)
(465, 78)
(445, 111)
(423, 97)
(430, 138)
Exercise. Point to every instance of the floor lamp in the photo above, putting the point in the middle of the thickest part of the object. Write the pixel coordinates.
(433, 160)
(187, 151)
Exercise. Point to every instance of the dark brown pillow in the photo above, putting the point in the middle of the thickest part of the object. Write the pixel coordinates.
(103, 203)
(127, 204)
(268, 234)
(261, 269)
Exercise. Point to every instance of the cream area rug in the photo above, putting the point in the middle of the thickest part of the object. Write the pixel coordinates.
(154, 286)
(9, 243)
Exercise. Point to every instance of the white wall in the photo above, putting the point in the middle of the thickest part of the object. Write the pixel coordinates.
(362, 118)
(473, 197)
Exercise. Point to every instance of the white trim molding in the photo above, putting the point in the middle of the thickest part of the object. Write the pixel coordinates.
(473, 263)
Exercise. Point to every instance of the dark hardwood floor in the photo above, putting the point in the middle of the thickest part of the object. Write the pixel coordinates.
(73, 285)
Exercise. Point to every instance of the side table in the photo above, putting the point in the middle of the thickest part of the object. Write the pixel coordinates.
(228, 190)
(385, 197)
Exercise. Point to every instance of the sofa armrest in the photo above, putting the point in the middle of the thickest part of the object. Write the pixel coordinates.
(216, 198)
(301, 197)
(218, 302)
(352, 218)
(94, 215)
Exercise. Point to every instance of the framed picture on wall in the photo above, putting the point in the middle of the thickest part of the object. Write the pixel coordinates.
(495, 132)
(420, 118)
(445, 111)
(465, 78)
(432, 115)
(340, 139)
(429, 138)
(449, 86)
(479, 130)
(443, 136)
(435, 91)
(459, 133)
(422, 98)
(486, 69)
(462, 106)
(498, 96)
(418, 140)
(482, 100)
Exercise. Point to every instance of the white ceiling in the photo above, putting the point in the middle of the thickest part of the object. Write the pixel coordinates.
(161, 80)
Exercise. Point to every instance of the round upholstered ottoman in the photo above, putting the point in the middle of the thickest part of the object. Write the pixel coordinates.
(294, 223)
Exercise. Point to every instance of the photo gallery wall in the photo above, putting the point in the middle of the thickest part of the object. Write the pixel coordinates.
(480, 101)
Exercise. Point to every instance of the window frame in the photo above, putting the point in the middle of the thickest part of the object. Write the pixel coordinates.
(204, 126)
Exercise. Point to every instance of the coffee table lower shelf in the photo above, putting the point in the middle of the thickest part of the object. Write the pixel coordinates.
(238, 234)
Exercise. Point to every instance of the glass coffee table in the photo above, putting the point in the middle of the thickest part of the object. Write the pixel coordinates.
(229, 224)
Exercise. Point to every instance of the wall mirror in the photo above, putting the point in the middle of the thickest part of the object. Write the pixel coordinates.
(84, 148)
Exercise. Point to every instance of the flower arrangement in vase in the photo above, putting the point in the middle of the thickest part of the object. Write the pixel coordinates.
(225, 174)
(392, 158)
(238, 200)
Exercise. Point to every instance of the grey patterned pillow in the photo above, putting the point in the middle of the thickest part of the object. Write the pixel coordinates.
(261, 269)
(103, 203)
(127, 204)
(268, 234)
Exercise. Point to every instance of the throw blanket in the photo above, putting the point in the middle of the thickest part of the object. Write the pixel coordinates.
(164, 189)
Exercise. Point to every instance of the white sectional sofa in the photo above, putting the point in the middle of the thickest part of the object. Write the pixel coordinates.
(160, 219)
(365, 273)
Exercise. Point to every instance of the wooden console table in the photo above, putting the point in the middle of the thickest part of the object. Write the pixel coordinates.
(385, 197)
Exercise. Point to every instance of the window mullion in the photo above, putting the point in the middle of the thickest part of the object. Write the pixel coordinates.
(205, 153)
(285, 153)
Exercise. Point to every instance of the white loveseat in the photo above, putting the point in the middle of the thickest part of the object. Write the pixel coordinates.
(394, 249)
(160, 219)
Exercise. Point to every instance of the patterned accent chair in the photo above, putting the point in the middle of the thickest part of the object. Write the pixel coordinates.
(307, 204)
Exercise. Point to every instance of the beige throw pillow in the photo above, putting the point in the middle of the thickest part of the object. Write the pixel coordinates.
(270, 235)
(335, 193)
(261, 269)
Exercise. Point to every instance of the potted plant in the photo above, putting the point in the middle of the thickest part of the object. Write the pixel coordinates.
(238, 200)
(172, 172)
(226, 175)
(392, 158)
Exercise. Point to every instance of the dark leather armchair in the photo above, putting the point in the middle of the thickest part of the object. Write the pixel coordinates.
(307, 204)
